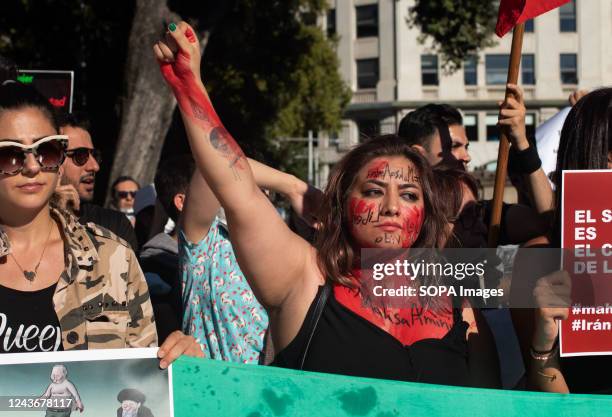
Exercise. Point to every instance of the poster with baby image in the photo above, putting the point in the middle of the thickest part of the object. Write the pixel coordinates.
(94, 383)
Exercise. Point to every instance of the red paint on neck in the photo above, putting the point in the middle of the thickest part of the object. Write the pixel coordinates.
(408, 325)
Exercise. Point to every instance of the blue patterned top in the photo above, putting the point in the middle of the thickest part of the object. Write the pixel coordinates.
(220, 310)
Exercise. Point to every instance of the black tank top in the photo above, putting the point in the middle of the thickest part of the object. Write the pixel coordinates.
(28, 322)
(345, 343)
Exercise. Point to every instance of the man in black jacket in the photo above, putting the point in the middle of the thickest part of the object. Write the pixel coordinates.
(80, 168)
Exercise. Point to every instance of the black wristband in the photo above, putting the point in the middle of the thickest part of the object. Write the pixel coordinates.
(527, 161)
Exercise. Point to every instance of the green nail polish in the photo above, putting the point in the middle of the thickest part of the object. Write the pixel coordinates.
(172, 27)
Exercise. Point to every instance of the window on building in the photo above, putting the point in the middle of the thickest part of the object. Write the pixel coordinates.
(567, 17)
(497, 69)
(529, 26)
(367, 20)
(569, 69)
(493, 130)
(368, 128)
(528, 69)
(367, 73)
(470, 121)
(470, 71)
(429, 69)
(331, 23)
(530, 126)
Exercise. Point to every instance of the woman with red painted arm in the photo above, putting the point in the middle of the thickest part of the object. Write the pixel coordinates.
(379, 196)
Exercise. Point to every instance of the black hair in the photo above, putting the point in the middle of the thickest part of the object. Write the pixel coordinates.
(122, 179)
(586, 139)
(75, 119)
(15, 96)
(173, 177)
(418, 126)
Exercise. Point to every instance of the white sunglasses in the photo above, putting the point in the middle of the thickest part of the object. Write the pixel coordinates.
(49, 152)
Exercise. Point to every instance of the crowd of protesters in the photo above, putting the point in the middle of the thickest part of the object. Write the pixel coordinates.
(220, 274)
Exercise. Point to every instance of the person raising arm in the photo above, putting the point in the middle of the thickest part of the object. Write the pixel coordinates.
(380, 196)
(252, 218)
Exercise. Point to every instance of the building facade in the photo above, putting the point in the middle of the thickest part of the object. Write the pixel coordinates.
(391, 73)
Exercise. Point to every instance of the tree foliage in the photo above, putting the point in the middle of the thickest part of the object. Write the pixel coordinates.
(458, 28)
(269, 69)
(271, 72)
(89, 37)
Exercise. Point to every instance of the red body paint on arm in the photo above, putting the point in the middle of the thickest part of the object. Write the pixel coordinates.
(195, 104)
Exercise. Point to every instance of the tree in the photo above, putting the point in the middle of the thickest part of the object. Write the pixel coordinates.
(458, 28)
(270, 70)
(148, 105)
(87, 37)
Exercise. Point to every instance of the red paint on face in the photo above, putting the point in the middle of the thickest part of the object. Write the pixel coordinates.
(377, 221)
(412, 221)
(363, 213)
(358, 206)
(377, 168)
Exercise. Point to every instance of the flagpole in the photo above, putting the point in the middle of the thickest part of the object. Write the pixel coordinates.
(504, 144)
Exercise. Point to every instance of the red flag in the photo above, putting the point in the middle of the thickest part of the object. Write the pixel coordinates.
(513, 12)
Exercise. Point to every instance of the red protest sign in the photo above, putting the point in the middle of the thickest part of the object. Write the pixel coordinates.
(587, 235)
(513, 12)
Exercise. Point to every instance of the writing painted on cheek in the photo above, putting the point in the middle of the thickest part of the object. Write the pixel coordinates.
(363, 212)
(411, 227)
(412, 222)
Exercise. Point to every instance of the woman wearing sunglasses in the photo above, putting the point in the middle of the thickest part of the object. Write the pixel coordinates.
(59, 289)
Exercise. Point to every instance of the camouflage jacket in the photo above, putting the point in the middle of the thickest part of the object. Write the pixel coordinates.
(101, 298)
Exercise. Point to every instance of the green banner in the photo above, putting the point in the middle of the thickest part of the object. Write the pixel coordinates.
(214, 388)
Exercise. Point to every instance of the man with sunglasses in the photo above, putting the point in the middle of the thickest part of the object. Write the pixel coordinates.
(124, 191)
(81, 165)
